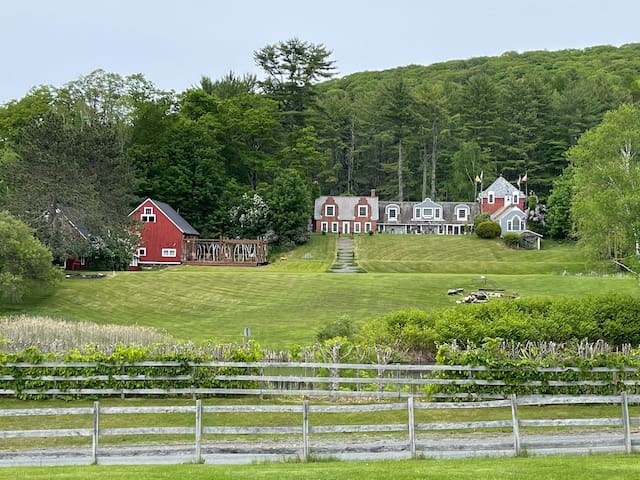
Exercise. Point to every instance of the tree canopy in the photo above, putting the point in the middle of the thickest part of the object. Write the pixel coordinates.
(606, 176)
(25, 264)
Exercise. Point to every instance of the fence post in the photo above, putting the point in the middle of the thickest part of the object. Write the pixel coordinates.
(412, 427)
(516, 424)
(198, 452)
(305, 430)
(626, 422)
(95, 433)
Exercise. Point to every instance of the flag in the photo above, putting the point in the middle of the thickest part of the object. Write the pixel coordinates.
(477, 178)
(524, 178)
(518, 182)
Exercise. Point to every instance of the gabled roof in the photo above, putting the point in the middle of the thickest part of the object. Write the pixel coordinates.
(504, 211)
(182, 225)
(427, 203)
(500, 188)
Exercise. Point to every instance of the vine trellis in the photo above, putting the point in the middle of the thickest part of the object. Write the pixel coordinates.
(225, 251)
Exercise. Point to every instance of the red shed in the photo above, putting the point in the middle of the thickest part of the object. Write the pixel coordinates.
(162, 234)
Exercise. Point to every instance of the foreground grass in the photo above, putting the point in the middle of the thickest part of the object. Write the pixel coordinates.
(601, 467)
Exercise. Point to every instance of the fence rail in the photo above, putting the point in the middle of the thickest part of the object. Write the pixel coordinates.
(290, 378)
(617, 437)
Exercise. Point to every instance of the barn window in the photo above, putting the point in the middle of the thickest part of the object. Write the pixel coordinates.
(516, 199)
(491, 198)
(148, 215)
(142, 252)
(168, 252)
(329, 210)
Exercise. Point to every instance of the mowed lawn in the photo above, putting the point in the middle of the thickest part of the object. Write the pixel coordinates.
(288, 301)
(593, 467)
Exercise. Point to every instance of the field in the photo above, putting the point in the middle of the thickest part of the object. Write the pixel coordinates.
(288, 301)
(601, 467)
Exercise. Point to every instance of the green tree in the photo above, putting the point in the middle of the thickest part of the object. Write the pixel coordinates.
(559, 223)
(25, 264)
(606, 172)
(292, 68)
(67, 172)
(289, 203)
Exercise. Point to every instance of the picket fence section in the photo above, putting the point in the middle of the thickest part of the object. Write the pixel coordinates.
(305, 429)
(282, 378)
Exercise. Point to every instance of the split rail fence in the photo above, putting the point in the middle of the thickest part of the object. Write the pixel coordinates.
(304, 430)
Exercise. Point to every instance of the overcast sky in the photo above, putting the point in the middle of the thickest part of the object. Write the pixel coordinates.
(174, 43)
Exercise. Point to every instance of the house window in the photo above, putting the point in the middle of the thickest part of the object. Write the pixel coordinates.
(436, 212)
(168, 252)
(324, 226)
(362, 210)
(356, 227)
(417, 214)
(329, 210)
(367, 227)
(142, 252)
(427, 212)
(392, 214)
(515, 198)
(334, 227)
(491, 198)
(461, 213)
(517, 225)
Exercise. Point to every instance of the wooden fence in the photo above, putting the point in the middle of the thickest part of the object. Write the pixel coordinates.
(617, 436)
(289, 378)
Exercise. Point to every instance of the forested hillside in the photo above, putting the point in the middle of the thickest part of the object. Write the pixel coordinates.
(102, 142)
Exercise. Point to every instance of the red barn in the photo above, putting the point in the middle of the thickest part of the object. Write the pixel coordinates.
(163, 233)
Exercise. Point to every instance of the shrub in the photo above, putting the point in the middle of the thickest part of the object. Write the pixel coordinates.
(481, 217)
(342, 327)
(488, 229)
(512, 239)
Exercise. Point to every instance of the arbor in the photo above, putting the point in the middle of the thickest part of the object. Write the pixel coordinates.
(25, 264)
(289, 202)
(606, 168)
(292, 67)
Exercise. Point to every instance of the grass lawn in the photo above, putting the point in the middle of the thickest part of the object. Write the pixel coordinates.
(288, 301)
(601, 467)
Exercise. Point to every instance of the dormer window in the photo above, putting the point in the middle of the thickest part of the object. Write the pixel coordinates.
(417, 213)
(363, 211)
(392, 214)
(462, 213)
(148, 215)
(329, 210)
(491, 198)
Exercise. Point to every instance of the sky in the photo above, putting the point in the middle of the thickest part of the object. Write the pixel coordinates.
(174, 43)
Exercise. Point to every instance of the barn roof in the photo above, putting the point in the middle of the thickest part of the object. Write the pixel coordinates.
(184, 226)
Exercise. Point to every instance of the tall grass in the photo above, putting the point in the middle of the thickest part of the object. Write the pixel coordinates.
(57, 336)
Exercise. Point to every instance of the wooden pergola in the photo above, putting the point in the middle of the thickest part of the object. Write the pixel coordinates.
(225, 252)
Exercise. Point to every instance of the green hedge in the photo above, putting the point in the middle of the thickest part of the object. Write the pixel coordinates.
(415, 333)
